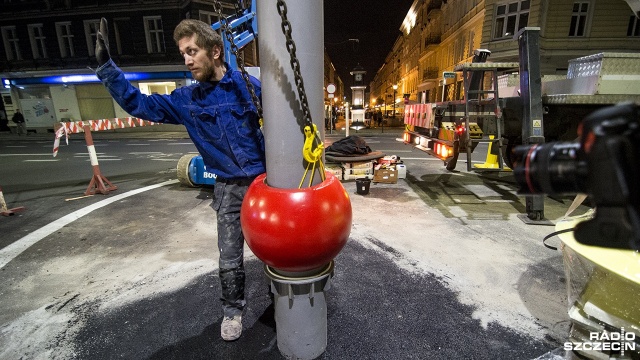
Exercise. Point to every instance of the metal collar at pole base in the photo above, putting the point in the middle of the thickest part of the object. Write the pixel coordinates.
(301, 311)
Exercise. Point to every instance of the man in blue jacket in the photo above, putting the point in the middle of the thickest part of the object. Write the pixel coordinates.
(223, 123)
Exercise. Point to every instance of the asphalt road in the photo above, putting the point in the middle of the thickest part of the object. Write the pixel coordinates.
(438, 266)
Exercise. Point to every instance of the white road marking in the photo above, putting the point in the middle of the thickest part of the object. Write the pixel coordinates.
(174, 160)
(13, 250)
(392, 151)
(47, 154)
(41, 160)
(185, 143)
(425, 158)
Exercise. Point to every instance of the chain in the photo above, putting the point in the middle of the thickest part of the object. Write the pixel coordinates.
(313, 146)
(295, 64)
(240, 59)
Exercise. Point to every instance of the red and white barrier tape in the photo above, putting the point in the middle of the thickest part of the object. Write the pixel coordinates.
(75, 127)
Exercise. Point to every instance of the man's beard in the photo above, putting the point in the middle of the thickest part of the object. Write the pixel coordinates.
(207, 74)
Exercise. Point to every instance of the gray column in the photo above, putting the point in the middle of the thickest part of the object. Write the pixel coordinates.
(283, 120)
(531, 92)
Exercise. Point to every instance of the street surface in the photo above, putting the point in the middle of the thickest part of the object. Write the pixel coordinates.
(438, 266)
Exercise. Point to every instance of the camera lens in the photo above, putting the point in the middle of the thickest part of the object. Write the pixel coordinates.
(551, 168)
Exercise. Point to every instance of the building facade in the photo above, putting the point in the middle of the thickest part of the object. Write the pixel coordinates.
(47, 53)
(437, 35)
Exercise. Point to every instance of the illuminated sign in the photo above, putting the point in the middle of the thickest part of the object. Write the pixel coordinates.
(91, 78)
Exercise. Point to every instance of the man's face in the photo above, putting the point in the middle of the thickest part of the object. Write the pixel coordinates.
(200, 62)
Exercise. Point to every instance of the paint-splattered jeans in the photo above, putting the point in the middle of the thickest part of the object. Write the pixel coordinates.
(227, 201)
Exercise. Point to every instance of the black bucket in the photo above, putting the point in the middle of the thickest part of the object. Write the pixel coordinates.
(362, 186)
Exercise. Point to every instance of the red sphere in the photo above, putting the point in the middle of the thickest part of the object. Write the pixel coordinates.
(296, 230)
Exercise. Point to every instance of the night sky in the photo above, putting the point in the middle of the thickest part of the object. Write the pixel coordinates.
(376, 23)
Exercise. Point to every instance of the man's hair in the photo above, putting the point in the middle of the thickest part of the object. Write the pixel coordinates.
(206, 37)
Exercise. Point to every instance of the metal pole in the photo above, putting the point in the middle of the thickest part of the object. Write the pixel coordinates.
(394, 104)
(283, 119)
(347, 113)
(299, 299)
(531, 92)
(97, 183)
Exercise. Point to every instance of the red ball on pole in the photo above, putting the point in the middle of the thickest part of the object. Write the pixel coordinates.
(296, 230)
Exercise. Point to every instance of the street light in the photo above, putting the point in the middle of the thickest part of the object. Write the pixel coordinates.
(395, 87)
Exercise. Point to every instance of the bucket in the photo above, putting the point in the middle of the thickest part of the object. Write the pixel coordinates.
(362, 186)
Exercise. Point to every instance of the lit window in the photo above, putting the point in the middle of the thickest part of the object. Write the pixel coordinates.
(510, 18)
(11, 43)
(65, 39)
(38, 41)
(579, 18)
(154, 34)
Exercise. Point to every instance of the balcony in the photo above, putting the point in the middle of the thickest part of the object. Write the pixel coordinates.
(431, 42)
(429, 73)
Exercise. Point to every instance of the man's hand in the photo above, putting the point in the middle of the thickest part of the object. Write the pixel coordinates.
(102, 43)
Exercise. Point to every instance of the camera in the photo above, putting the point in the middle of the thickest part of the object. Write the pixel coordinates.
(604, 164)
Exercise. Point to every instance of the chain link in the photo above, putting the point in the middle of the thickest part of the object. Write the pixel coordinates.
(240, 59)
(295, 64)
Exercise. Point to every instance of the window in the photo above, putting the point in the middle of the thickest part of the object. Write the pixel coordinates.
(154, 34)
(65, 39)
(634, 26)
(212, 17)
(91, 28)
(208, 17)
(579, 18)
(11, 43)
(38, 41)
(510, 18)
(124, 43)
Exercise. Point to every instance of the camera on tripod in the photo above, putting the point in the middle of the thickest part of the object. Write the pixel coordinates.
(604, 164)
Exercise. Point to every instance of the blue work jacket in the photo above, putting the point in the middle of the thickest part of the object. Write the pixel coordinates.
(221, 118)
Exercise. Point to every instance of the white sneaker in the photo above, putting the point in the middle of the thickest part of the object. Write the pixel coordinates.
(231, 328)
